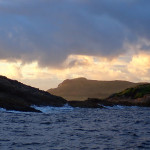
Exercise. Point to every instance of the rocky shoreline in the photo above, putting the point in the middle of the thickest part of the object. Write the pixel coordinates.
(20, 97)
(136, 96)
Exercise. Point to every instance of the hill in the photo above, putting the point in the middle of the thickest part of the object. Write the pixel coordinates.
(136, 96)
(17, 96)
(82, 88)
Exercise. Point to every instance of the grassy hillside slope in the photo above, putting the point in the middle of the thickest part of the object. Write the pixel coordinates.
(134, 93)
(137, 96)
(81, 88)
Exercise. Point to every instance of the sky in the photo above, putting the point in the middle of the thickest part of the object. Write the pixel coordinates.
(43, 42)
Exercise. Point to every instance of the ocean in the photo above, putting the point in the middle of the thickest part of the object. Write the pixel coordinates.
(67, 128)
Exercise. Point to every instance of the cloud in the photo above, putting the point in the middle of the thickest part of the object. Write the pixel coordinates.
(50, 31)
(136, 69)
(11, 70)
(140, 65)
(77, 60)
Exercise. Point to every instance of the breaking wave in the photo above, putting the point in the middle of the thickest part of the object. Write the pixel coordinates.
(49, 109)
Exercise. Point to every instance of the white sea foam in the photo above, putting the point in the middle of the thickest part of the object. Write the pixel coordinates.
(49, 109)
(2, 109)
(11, 111)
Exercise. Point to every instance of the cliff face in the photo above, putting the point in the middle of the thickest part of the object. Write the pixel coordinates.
(81, 88)
(17, 96)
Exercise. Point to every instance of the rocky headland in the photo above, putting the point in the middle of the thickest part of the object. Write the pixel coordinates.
(136, 96)
(20, 97)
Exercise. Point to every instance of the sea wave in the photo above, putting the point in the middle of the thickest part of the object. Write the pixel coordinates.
(120, 107)
(69, 128)
(43, 109)
(50, 109)
(2, 109)
(11, 111)
(67, 108)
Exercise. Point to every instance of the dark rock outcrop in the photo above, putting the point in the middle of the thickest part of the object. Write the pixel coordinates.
(85, 104)
(17, 96)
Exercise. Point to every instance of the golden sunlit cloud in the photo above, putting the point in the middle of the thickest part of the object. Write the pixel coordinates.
(11, 70)
(134, 68)
(140, 66)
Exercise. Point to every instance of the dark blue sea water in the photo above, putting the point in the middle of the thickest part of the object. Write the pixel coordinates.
(117, 128)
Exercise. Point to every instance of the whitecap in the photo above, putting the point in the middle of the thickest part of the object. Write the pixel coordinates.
(2, 109)
(50, 109)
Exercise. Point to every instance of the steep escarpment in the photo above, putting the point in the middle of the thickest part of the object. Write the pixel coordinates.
(17, 96)
(82, 88)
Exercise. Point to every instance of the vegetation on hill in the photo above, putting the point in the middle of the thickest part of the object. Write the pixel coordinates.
(135, 96)
(136, 92)
(81, 88)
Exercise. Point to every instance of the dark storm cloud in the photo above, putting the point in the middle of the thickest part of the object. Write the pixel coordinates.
(50, 30)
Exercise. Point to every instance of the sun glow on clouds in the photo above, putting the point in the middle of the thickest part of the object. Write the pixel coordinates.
(136, 68)
(11, 70)
(140, 65)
